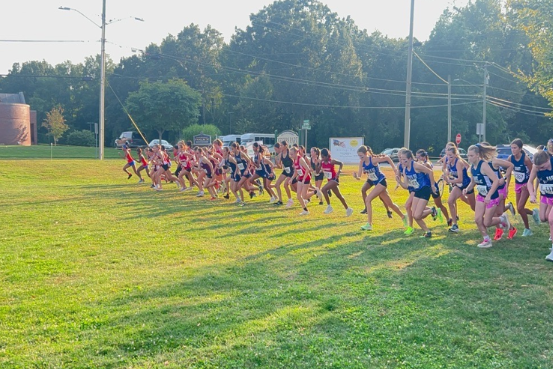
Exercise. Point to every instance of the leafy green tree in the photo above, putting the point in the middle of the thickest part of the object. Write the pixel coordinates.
(164, 106)
(55, 123)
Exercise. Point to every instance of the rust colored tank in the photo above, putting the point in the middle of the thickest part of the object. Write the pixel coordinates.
(15, 124)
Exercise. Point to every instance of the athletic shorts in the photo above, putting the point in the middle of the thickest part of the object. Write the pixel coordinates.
(177, 172)
(519, 187)
(382, 182)
(145, 167)
(165, 167)
(546, 200)
(502, 192)
(236, 178)
(319, 177)
(130, 163)
(261, 173)
(270, 176)
(289, 175)
(491, 204)
(423, 193)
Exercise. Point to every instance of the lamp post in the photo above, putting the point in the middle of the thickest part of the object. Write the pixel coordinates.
(407, 133)
(230, 122)
(102, 68)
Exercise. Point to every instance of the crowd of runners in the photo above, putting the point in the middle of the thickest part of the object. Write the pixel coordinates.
(228, 171)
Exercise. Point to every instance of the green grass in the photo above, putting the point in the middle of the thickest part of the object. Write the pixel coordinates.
(98, 271)
(56, 152)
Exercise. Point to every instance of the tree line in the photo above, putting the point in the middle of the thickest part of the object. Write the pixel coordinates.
(298, 60)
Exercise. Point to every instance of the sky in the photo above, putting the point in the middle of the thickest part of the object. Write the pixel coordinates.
(76, 37)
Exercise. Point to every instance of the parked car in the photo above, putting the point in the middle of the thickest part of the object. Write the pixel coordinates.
(462, 153)
(164, 143)
(131, 139)
(392, 153)
(503, 151)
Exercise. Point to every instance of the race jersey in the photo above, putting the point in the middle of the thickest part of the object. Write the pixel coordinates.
(205, 167)
(287, 164)
(545, 178)
(183, 160)
(453, 172)
(143, 161)
(499, 175)
(129, 157)
(302, 176)
(416, 180)
(373, 171)
(482, 181)
(522, 174)
(328, 169)
(240, 163)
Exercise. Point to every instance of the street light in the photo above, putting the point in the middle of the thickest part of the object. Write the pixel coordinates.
(102, 66)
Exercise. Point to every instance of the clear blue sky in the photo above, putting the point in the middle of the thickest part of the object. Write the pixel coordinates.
(41, 20)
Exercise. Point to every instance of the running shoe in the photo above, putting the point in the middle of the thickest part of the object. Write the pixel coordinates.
(427, 235)
(434, 213)
(153, 186)
(486, 244)
(328, 210)
(289, 203)
(321, 203)
(527, 232)
(200, 194)
(389, 214)
(129, 177)
(364, 211)
(511, 208)
(189, 188)
(141, 180)
(252, 194)
(512, 233)
(182, 189)
(550, 256)
(449, 222)
(505, 221)
(213, 198)
(260, 190)
(409, 231)
(440, 215)
(454, 228)
(305, 212)
(367, 227)
(536, 216)
(272, 200)
(349, 212)
(498, 234)
(279, 203)
(320, 195)
(226, 196)
(405, 221)
(242, 204)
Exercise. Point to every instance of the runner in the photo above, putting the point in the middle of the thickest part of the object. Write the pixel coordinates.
(143, 165)
(130, 163)
(333, 181)
(285, 163)
(486, 181)
(422, 158)
(302, 177)
(543, 171)
(457, 177)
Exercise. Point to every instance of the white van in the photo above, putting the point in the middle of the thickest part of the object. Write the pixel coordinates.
(266, 139)
(228, 139)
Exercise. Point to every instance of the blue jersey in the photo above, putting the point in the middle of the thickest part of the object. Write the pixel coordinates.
(373, 171)
(240, 163)
(498, 174)
(455, 174)
(416, 180)
(522, 174)
(483, 183)
(545, 178)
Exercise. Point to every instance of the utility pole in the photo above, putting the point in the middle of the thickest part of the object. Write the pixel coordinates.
(486, 79)
(102, 82)
(448, 108)
(407, 133)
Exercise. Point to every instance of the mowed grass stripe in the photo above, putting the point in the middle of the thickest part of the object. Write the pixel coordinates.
(98, 271)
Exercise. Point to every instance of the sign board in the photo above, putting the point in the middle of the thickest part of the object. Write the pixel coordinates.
(202, 140)
(289, 136)
(344, 149)
(306, 125)
(458, 139)
(480, 128)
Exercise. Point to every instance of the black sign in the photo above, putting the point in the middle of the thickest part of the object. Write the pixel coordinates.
(202, 140)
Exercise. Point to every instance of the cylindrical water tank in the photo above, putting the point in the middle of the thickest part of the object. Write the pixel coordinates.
(15, 124)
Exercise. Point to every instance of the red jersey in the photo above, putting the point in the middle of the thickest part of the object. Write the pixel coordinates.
(129, 157)
(302, 176)
(143, 161)
(328, 169)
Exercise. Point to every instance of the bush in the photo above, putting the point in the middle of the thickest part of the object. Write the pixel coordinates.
(80, 138)
(207, 129)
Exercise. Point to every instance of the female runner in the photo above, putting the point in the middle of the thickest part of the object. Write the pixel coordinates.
(333, 181)
(543, 171)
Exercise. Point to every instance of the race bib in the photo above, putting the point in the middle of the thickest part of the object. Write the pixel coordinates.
(205, 170)
(373, 177)
(300, 172)
(287, 169)
(482, 190)
(328, 175)
(519, 177)
(546, 189)
(413, 183)
(258, 168)
(241, 166)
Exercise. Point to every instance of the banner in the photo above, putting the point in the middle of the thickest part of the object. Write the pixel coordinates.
(344, 149)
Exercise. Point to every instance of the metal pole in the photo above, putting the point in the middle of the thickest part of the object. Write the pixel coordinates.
(407, 133)
(484, 102)
(102, 80)
(448, 108)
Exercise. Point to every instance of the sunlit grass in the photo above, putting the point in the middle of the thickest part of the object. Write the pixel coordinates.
(99, 271)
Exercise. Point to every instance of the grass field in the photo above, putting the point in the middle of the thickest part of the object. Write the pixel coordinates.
(98, 271)
(56, 152)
